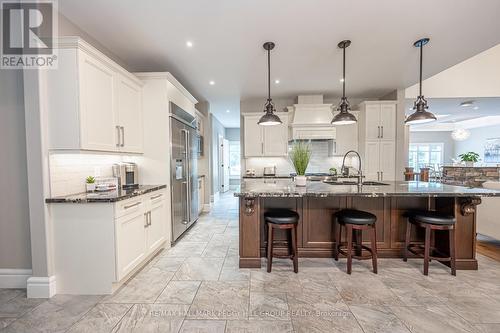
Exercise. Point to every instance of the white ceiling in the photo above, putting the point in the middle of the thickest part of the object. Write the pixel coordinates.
(483, 112)
(227, 38)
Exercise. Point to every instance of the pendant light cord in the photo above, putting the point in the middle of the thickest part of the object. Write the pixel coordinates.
(421, 55)
(343, 73)
(268, 75)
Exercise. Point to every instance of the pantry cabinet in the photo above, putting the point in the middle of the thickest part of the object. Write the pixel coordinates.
(265, 141)
(377, 139)
(93, 103)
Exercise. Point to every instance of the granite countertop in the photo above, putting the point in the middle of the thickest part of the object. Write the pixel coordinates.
(287, 188)
(108, 196)
(262, 176)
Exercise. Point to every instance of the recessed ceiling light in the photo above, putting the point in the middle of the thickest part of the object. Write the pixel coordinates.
(211, 83)
(476, 108)
(277, 81)
(466, 104)
(228, 111)
(189, 43)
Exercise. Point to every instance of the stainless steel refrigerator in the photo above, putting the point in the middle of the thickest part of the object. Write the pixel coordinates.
(184, 170)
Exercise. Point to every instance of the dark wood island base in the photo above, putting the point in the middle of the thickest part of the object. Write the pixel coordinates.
(316, 226)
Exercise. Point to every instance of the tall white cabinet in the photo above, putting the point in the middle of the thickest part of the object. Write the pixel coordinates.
(265, 141)
(377, 139)
(94, 104)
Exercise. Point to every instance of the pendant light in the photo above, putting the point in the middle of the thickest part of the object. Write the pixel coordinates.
(421, 115)
(269, 118)
(344, 117)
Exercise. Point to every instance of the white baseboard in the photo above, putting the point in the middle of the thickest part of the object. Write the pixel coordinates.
(14, 278)
(41, 287)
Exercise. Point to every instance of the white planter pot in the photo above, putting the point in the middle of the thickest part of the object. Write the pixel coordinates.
(90, 187)
(300, 180)
(469, 164)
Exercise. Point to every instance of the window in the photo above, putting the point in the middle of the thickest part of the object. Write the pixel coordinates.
(425, 155)
(234, 159)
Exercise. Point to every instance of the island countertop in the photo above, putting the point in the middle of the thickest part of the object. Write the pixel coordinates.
(287, 188)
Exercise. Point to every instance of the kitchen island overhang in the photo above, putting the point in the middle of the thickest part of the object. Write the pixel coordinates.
(317, 202)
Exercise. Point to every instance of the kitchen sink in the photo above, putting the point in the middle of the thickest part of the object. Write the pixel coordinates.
(368, 183)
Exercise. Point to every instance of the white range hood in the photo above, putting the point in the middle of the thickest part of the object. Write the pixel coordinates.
(310, 119)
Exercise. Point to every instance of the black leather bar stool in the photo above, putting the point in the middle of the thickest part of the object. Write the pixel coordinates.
(358, 221)
(431, 221)
(286, 220)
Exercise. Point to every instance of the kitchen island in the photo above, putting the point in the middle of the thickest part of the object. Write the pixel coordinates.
(318, 201)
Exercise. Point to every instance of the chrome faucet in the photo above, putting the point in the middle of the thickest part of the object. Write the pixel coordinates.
(345, 170)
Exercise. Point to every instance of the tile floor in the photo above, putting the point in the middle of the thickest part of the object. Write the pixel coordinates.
(197, 287)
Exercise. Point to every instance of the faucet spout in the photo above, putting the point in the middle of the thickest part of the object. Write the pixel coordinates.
(360, 173)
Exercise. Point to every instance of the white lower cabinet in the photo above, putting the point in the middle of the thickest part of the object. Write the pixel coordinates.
(379, 160)
(156, 221)
(130, 242)
(97, 246)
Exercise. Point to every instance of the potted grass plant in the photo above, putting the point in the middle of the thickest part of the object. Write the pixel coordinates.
(469, 158)
(90, 184)
(300, 156)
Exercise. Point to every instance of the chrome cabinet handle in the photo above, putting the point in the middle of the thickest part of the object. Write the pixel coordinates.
(156, 196)
(149, 218)
(118, 140)
(262, 148)
(381, 175)
(378, 132)
(133, 205)
(382, 135)
(146, 220)
(123, 135)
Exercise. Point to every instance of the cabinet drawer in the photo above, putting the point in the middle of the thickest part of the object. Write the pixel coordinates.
(129, 206)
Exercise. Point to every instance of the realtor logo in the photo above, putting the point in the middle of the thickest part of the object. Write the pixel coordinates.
(28, 32)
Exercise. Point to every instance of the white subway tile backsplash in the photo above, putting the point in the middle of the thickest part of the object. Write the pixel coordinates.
(321, 161)
(69, 170)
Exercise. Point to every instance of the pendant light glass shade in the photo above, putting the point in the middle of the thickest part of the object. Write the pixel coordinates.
(269, 118)
(344, 117)
(421, 115)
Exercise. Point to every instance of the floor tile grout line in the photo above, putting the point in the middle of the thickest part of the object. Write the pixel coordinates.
(124, 315)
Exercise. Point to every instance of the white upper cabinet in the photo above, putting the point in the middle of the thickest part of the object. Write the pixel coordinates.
(377, 139)
(93, 103)
(388, 122)
(97, 109)
(129, 102)
(265, 141)
(253, 136)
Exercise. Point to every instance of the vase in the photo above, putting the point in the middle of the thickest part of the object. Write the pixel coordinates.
(90, 187)
(469, 164)
(300, 180)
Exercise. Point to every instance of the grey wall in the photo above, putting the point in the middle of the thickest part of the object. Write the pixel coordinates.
(15, 240)
(217, 129)
(15, 249)
(204, 164)
(233, 134)
(435, 137)
(477, 139)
